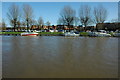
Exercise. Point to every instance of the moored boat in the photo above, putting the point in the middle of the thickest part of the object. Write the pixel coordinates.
(116, 34)
(29, 34)
(99, 34)
(103, 34)
(71, 34)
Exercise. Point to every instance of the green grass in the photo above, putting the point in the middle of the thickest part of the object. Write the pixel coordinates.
(84, 33)
(10, 32)
(42, 33)
(81, 33)
(50, 33)
(111, 33)
(39, 32)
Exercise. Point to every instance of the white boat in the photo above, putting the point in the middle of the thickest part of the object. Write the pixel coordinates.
(103, 34)
(29, 34)
(116, 34)
(99, 34)
(71, 34)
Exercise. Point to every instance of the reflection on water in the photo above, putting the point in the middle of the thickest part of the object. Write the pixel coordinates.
(59, 57)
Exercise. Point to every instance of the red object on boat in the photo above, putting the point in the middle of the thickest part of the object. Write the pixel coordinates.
(29, 34)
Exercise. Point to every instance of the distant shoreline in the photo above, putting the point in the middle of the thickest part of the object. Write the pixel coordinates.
(82, 34)
(40, 33)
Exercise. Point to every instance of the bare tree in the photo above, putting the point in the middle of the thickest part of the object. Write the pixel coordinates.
(4, 25)
(18, 25)
(100, 14)
(13, 15)
(67, 16)
(23, 24)
(28, 14)
(60, 21)
(76, 21)
(40, 22)
(85, 15)
(48, 24)
(33, 22)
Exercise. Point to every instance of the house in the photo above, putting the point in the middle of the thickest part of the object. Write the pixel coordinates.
(108, 26)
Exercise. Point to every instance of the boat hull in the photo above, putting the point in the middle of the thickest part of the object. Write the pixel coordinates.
(116, 34)
(97, 34)
(71, 35)
(29, 34)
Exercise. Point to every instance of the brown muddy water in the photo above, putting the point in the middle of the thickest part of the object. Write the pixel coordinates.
(59, 57)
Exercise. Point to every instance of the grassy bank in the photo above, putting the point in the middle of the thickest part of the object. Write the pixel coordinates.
(41, 33)
(47, 33)
(11, 32)
(83, 33)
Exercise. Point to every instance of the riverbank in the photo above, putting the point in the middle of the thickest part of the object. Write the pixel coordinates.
(43, 33)
(85, 34)
(40, 33)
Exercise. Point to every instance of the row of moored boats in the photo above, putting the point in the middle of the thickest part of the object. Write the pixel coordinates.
(75, 34)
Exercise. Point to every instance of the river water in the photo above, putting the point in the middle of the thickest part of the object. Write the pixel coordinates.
(59, 57)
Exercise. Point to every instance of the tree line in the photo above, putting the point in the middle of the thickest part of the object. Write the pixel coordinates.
(87, 16)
